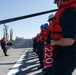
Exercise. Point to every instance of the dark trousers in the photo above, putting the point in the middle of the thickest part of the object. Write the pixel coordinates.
(35, 46)
(48, 70)
(63, 65)
(40, 53)
(4, 51)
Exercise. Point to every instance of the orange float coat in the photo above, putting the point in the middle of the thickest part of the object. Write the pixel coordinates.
(43, 35)
(55, 27)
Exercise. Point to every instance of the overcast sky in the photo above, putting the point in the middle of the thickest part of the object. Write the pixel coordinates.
(29, 27)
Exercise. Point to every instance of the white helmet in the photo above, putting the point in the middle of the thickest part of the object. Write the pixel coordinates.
(50, 17)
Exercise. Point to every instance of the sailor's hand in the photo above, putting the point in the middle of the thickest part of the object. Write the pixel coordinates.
(45, 42)
(52, 42)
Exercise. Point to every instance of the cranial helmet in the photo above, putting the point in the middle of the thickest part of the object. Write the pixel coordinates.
(42, 26)
(50, 17)
(45, 25)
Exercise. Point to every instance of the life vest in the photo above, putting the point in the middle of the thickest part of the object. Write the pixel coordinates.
(37, 37)
(43, 35)
(55, 27)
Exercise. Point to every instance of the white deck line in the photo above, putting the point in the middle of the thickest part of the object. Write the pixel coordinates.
(15, 68)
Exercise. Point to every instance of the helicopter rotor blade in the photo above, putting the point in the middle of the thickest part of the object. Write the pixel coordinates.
(26, 16)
